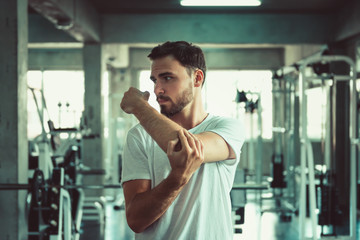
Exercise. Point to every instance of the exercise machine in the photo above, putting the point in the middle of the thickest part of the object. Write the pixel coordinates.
(251, 102)
(306, 79)
(56, 203)
(283, 158)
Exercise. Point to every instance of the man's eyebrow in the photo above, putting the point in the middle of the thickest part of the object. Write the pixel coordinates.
(165, 74)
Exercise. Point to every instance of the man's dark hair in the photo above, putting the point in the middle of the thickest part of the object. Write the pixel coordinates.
(189, 55)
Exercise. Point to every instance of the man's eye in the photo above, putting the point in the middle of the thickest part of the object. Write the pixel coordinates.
(167, 78)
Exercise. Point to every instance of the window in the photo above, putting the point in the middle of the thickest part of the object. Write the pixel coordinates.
(220, 91)
(64, 97)
(316, 117)
(145, 84)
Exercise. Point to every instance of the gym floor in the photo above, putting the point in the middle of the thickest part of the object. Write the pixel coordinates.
(257, 226)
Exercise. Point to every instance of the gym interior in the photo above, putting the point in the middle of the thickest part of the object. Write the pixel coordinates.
(287, 69)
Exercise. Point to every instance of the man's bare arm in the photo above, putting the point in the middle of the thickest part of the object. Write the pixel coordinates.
(145, 205)
(162, 129)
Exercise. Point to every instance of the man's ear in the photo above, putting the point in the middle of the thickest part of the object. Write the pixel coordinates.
(199, 78)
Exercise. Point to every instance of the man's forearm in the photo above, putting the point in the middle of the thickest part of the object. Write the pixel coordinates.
(159, 127)
(147, 207)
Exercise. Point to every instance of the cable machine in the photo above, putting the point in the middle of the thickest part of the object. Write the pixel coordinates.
(56, 206)
(330, 81)
(252, 105)
(53, 213)
(283, 158)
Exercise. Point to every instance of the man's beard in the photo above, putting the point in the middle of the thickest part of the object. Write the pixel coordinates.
(182, 101)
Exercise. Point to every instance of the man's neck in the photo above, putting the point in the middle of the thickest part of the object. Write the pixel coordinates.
(190, 117)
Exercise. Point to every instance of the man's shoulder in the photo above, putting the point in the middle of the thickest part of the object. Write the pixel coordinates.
(137, 135)
(137, 131)
(221, 124)
(137, 127)
(213, 119)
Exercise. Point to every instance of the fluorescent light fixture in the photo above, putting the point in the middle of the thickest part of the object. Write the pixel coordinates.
(220, 3)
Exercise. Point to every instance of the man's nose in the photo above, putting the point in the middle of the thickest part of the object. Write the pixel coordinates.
(159, 89)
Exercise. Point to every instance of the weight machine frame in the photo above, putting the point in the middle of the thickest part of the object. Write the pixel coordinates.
(283, 146)
(307, 158)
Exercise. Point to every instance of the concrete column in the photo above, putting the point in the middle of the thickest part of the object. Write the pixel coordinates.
(13, 116)
(93, 149)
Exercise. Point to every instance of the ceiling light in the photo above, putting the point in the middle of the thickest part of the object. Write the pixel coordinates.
(220, 3)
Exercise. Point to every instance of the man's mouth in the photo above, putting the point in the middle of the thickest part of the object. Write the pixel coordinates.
(162, 99)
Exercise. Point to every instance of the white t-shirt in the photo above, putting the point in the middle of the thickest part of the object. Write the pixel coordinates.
(202, 210)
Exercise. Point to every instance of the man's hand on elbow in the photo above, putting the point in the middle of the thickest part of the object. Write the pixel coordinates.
(185, 161)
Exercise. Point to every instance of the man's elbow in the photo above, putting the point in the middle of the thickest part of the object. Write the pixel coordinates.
(135, 224)
(232, 154)
(136, 229)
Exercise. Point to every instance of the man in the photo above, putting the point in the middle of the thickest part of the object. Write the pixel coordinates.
(179, 165)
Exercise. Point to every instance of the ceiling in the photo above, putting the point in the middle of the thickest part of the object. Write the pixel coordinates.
(147, 22)
(151, 21)
(173, 6)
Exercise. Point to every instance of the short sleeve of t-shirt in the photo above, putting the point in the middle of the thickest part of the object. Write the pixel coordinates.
(135, 161)
(232, 131)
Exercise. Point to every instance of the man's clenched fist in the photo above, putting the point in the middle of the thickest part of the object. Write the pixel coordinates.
(132, 99)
